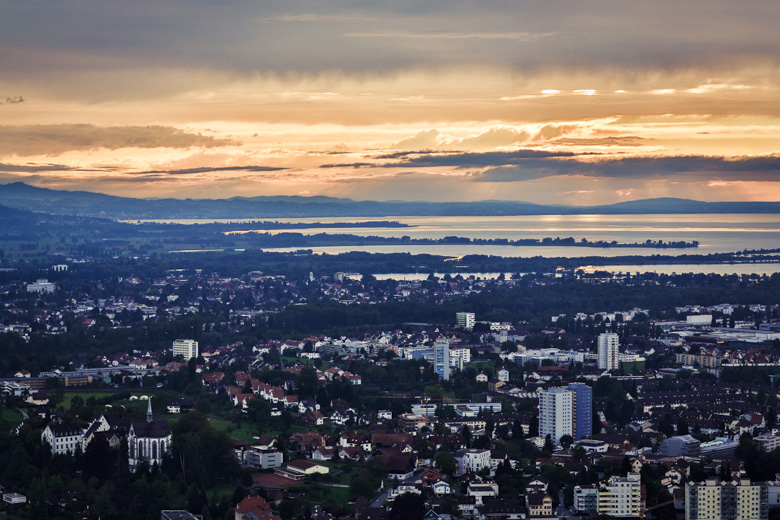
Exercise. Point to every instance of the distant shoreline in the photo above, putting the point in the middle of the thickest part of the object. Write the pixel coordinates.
(327, 239)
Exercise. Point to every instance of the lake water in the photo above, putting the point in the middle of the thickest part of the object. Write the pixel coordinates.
(716, 233)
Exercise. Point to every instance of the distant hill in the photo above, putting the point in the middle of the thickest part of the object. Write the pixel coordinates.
(21, 196)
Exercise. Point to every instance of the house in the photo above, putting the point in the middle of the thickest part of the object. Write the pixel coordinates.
(441, 488)
(432, 515)
(384, 415)
(254, 508)
(322, 453)
(502, 509)
(353, 453)
(539, 504)
(538, 484)
(178, 405)
(399, 467)
(482, 490)
(466, 504)
(430, 476)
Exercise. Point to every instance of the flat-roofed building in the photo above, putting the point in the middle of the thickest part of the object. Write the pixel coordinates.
(767, 442)
(715, 500)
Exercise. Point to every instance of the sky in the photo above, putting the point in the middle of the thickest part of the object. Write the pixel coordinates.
(572, 102)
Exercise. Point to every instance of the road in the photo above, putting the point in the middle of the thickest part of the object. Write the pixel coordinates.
(377, 502)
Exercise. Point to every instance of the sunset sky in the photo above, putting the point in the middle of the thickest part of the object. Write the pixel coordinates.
(575, 102)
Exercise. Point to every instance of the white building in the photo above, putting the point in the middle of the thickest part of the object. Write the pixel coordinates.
(41, 286)
(14, 498)
(503, 375)
(459, 356)
(699, 319)
(556, 413)
(148, 441)
(441, 359)
(63, 438)
(472, 460)
(608, 351)
(465, 319)
(186, 348)
(621, 497)
(258, 457)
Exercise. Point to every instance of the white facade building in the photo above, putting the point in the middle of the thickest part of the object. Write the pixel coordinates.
(622, 497)
(41, 286)
(608, 351)
(459, 356)
(186, 348)
(465, 319)
(472, 460)
(63, 439)
(556, 413)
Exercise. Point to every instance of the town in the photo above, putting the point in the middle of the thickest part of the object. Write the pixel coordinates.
(133, 390)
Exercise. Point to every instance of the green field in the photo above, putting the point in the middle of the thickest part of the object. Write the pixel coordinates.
(325, 495)
(247, 432)
(12, 417)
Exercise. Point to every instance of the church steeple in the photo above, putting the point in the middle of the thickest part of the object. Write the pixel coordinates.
(149, 417)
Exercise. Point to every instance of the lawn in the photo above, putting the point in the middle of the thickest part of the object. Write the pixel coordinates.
(247, 432)
(325, 495)
(12, 417)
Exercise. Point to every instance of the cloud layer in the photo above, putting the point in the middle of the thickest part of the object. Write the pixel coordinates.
(51, 140)
(550, 101)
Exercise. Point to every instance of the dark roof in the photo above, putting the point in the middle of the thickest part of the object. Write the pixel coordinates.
(65, 430)
(501, 506)
(156, 428)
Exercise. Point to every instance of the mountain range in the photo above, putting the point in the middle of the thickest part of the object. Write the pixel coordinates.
(59, 202)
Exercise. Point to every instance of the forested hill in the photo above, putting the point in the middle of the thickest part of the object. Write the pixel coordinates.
(25, 197)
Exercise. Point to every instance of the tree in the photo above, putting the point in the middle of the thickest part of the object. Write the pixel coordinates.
(307, 382)
(682, 426)
(566, 441)
(407, 506)
(446, 463)
(549, 446)
(466, 432)
(666, 425)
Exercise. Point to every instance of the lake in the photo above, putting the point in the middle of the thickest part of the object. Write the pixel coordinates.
(716, 233)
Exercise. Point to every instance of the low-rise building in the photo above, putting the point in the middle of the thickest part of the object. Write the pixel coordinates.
(257, 457)
(681, 446)
(63, 438)
(472, 460)
(482, 490)
(539, 504)
(767, 442)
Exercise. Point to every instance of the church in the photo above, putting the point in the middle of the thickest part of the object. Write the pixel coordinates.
(148, 440)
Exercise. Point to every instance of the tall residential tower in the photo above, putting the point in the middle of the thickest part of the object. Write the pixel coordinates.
(608, 351)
